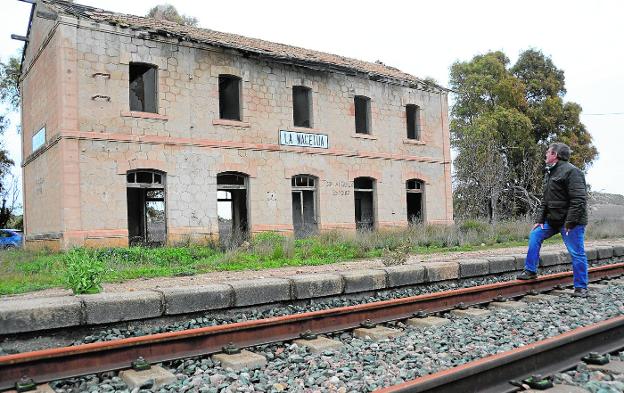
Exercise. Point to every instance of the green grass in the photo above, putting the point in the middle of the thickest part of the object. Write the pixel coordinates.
(24, 271)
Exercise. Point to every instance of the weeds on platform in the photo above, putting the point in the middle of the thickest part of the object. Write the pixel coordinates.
(85, 269)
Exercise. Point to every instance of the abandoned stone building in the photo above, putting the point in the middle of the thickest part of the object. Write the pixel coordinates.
(144, 131)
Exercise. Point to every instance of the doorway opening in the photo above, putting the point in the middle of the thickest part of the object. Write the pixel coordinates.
(147, 223)
(364, 191)
(415, 190)
(232, 208)
(305, 221)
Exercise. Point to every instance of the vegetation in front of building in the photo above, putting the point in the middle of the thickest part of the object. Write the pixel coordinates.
(84, 270)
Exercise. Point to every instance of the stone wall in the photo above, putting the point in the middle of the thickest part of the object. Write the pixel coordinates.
(101, 139)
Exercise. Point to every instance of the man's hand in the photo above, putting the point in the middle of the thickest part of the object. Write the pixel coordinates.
(568, 227)
(538, 224)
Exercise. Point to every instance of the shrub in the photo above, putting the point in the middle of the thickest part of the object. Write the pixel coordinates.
(473, 225)
(395, 257)
(83, 271)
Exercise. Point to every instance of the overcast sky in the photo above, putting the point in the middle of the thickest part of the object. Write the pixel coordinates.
(584, 38)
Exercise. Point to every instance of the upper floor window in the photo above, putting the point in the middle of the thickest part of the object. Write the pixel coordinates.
(229, 97)
(38, 139)
(302, 106)
(412, 113)
(143, 88)
(362, 115)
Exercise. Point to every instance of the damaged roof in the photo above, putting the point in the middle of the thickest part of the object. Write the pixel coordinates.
(260, 48)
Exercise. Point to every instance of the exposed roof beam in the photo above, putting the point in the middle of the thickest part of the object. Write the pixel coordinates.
(28, 1)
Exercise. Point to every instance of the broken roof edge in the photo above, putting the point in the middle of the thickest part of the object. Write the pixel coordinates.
(265, 50)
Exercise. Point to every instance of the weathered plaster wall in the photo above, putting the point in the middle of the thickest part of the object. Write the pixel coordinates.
(102, 139)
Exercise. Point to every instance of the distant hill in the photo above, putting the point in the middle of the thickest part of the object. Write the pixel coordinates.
(604, 198)
(604, 206)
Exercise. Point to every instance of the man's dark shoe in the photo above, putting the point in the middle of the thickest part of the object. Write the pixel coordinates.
(580, 292)
(527, 275)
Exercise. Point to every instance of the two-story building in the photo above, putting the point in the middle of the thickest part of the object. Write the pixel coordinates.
(138, 130)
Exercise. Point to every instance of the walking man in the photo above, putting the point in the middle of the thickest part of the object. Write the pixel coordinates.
(564, 210)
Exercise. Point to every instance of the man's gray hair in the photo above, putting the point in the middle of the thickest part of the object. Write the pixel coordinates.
(562, 150)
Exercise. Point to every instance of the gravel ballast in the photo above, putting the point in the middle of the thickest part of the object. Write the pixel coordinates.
(363, 365)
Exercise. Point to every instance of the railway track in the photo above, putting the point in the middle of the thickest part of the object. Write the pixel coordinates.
(505, 371)
(59, 363)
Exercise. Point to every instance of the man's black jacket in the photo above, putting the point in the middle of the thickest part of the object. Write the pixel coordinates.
(565, 197)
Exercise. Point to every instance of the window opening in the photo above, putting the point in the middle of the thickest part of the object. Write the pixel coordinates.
(143, 88)
(362, 115)
(232, 208)
(302, 106)
(229, 97)
(364, 190)
(304, 204)
(415, 191)
(147, 223)
(38, 139)
(412, 113)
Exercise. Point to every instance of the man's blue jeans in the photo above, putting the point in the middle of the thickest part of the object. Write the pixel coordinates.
(574, 241)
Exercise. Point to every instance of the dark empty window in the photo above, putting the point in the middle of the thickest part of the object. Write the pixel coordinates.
(229, 97)
(302, 106)
(363, 184)
(143, 88)
(230, 179)
(362, 115)
(413, 121)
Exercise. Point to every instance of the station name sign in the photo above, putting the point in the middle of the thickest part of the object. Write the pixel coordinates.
(302, 139)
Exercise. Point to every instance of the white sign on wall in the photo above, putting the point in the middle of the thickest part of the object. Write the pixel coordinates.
(38, 139)
(302, 139)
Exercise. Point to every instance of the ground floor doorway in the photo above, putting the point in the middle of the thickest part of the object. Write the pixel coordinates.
(415, 193)
(304, 204)
(364, 193)
(147, 224)
(232, 208)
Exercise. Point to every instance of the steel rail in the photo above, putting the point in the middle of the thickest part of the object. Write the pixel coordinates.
(494, 373)
(57, 363)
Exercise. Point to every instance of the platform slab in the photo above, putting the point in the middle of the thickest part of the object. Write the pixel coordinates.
(471, 313)
(260, 291)
(441, 271)
(508, 305)
(605, 252)
(17, 315)
(428, 322)
(363, 280)
(308, 286)
(188, 299)
(122, 306)
(239, 361)
(156, 376)
(377, 333)
(320, 344)
(405, 275)
(502, 264)
(473, 268)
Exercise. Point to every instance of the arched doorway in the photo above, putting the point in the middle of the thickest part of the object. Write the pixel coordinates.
(147, 223)
(415, 200)
(364, 191)
(232, 207)
(304, 206)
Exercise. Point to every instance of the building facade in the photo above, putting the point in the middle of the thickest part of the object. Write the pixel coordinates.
(145, 131)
